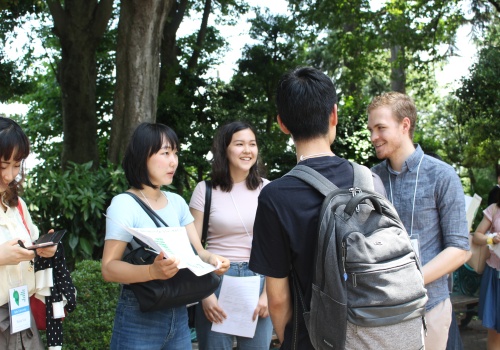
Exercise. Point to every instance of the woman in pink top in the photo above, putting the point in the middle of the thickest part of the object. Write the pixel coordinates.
(236, 183)
(489, 292)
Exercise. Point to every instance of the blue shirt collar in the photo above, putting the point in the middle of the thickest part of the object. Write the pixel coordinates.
(410, 164)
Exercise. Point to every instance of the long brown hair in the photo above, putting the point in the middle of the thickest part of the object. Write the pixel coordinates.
(220, 163)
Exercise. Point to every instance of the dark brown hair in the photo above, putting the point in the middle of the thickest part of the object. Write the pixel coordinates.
(13, 142)
(220, 163)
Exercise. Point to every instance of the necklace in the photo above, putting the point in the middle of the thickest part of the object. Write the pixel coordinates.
(241, 219)
(303, 157)
(146, 198)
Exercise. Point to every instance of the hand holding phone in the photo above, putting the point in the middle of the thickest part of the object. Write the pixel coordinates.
(46, 240)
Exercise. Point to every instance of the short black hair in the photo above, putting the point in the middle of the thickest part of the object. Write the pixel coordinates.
(220, 164)
(146, 140)
(305, 98)
(13, 142)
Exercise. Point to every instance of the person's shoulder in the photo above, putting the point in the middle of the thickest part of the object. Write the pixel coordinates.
(174, 197)
(444, 170)
(122, 198)
(379, 168)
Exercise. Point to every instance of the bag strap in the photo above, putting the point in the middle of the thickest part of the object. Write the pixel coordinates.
(151, 213)
(20, 209)
(313, 178)
(363, 178)
(206, 213)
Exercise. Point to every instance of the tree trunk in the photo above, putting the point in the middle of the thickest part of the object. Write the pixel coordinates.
(137, 69)
(79, 25)
(398, 73)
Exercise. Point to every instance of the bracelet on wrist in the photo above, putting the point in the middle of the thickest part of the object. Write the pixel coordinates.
(489, 240)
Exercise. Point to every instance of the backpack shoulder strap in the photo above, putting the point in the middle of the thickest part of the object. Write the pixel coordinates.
(363, 177)
(206, 213)
(313, 178)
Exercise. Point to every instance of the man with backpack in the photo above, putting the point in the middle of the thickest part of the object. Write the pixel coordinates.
(284, 247)
(428, 196)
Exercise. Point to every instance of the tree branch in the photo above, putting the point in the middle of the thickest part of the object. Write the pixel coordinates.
(58, 16)
(103, 14)
(193, 60)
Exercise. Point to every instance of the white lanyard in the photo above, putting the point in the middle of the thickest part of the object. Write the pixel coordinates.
(414, 194)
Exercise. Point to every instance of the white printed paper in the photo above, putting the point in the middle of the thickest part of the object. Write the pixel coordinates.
(172, 241)
(19, 305)
(238, 298)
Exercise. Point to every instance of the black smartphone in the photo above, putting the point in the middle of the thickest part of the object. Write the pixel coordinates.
(46, 240)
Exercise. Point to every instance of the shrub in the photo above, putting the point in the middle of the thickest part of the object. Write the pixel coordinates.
(91, 324)
(74, 199)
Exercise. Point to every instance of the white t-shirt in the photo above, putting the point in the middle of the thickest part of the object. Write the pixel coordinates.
(11, 226)
(126, 211)
(232, 214)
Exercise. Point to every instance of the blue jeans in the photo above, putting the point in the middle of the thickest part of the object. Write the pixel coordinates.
(162, 329)
(208, 340)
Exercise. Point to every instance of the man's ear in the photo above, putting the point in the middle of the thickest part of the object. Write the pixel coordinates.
(333, 116)
(406, 123)
(283, 128)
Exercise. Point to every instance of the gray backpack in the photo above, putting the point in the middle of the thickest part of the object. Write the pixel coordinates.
(368, 291)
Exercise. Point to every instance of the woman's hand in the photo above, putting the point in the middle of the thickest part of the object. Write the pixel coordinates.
(261, 310)
(47, 252)
(496, 239)
(215, 259)
(162, 269)
(12, 254)
(212, 311)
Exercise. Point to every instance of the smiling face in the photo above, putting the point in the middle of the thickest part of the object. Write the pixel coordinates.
(162, 165)
(9, 168)
(388, 135)
(242, 153)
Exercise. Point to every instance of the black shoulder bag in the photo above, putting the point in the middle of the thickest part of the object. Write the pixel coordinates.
(182, 289)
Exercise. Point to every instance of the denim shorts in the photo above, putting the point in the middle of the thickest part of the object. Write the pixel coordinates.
(208, 340)
(136, 330)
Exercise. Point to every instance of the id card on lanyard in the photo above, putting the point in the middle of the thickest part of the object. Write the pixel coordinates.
(413, 236)
(19, 304)
(415, 245)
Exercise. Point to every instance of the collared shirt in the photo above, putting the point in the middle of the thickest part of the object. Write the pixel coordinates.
(429, 199)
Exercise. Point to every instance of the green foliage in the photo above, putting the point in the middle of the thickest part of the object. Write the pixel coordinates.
(478, 109)
(74, 199)
(91, 324)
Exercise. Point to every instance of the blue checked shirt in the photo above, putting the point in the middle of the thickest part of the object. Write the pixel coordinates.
(432, 207)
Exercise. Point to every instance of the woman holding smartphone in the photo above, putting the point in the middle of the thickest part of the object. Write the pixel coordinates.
(16, 262)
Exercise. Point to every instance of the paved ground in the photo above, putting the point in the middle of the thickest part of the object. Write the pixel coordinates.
(473, 336)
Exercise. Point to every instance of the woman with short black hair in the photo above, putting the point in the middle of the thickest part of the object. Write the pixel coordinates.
(150, 162)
